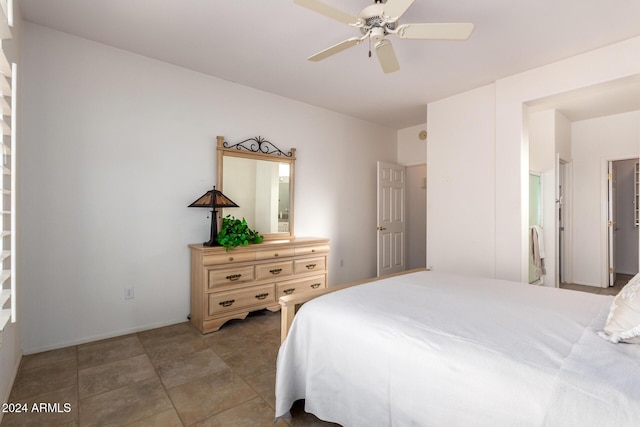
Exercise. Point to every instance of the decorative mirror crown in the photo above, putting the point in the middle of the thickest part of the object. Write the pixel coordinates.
(258, 145)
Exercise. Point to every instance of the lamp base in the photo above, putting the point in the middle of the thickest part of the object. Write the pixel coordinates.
(214, 230)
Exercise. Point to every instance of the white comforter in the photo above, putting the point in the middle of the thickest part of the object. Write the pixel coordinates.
(429, 349)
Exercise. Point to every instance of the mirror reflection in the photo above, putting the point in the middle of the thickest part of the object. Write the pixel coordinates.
(262, 190)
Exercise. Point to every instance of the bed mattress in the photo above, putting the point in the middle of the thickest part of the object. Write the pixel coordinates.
(433, 349)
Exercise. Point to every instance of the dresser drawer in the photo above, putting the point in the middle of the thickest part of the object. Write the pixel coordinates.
(217, 259)
(274, 269)
(308, 265)
(220, 302)
(228, 285)
(309, 250)
(274, 253)
(305, 285)
(230, 276)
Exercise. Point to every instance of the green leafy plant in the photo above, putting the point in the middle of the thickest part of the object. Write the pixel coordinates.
(236, 232)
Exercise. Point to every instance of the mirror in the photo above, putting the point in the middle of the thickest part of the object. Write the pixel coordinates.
(259, 178)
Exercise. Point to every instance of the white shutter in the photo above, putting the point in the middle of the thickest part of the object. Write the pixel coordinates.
(8, 196)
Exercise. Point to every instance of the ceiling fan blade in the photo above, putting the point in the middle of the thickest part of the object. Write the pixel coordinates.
(328, 11)
(435, 31)
(387, 56)
(394, 9)
(335, 49)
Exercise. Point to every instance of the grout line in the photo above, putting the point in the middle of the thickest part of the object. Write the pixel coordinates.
(146, 348)
(164, 387)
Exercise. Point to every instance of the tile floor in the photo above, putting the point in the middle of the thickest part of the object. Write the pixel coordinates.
(621, 280)
(171, 376)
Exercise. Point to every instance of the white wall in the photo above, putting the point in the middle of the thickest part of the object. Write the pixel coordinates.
(411, 149)
(593, 143)
(117, 145)
(542, 140)
(563, 137)
(507, 149)
(461, 183)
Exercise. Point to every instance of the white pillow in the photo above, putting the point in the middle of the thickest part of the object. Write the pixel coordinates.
(623, 323)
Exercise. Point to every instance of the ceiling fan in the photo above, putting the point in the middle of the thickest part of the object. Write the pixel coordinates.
(379, 20)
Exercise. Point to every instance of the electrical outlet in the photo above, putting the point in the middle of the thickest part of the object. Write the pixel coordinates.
(128, 293)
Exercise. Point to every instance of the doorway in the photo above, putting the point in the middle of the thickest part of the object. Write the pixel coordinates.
(416, 216)
(622, 219)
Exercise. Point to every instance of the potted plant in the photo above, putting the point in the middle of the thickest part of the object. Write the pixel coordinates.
(236, 232)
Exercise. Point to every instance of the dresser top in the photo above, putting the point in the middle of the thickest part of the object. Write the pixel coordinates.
(266, 244)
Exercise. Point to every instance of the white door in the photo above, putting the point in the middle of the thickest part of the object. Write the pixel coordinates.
(391, 218)
(611, 222)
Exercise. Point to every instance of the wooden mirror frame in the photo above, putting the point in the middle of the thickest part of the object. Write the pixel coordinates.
(259, 149)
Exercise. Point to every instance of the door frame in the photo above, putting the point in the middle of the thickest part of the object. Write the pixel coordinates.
(564, 245)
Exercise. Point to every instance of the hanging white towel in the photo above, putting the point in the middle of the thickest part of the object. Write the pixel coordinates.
(537, 250)
(538, 230)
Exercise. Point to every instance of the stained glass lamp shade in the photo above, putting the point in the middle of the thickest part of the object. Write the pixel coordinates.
(213, 199)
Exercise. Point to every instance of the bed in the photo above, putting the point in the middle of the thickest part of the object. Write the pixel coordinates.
(434, 349)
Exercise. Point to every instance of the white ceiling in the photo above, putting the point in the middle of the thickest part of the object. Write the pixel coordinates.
(264, 44)
(615, 97)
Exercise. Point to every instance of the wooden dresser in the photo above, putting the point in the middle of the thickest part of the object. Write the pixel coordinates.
(229, 285)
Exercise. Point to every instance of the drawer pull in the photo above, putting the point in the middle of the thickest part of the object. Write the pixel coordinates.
(227, 303)
(315, 285)
(313, 250)
(233, 277)
(261, 296)
(276, 254)
(275, 271)
(310, 266)
(289, 291)
(230, 258)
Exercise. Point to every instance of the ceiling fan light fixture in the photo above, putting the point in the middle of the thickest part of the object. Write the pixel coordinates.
(377, 34)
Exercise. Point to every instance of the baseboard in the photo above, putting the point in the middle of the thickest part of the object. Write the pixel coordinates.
(7, 393)
(594, 285)
(114, 334)
(626, 274)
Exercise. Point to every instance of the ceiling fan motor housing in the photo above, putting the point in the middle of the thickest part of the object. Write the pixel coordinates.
(374, 22)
